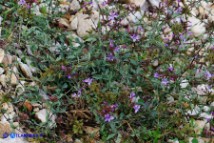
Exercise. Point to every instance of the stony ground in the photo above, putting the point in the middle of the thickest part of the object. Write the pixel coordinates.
(15, 75)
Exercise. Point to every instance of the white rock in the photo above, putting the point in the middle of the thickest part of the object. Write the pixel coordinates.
(155, 2)
(25, 69)
(206, 108)
(85, 24)
(205, 115)
(184, 83)
(173, 141)
(3, 79)
(197, 27)
(74, 6)
(200, 140)
(95, 17)
(2, 53)
(199, 126)
(203, 89)
(212, 104)
(45, 115)
(13, 140)
(124, 22)
(139, 3)
(1, 70)
(74, 23)
(194, 112)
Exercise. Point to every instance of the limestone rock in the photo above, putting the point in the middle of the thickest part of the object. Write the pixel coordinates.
(197, 27)
(25, 69)
(2, 53)
(45, 115)
(1, 70)
(85, 24)
(74, 23)
(139, 3)
(75, 6)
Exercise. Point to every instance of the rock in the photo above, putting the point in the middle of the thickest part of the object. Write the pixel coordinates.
(74, 23)
(85, 24)
(203, 89)
(1, 70)
(138, 3)
(205, 116)
(2, 53)
(197, 27)
(75, 6)
(134, 17)
(45, 115)
(173, 141)
(25, 69)
(212, 104)
(78, 141)
(63, 23)
(155, 2)
(8, 60)
(201, 140)
(184, 83)
(206, 108)
(194, 112)
(3, 79)
(19, 89)
(199, 126)
(13, 140)
(95, 17)
(4, 128)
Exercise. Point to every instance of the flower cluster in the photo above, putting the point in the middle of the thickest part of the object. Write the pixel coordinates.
(108, 111)
(134, 99)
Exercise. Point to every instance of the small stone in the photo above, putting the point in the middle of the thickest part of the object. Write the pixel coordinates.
(4, 128)
(25, 69)
(199, 126)
(205, 116)
(138, 3)
(155, 2)
(1, 70)
(85, 24)
(3, 79)
(45, 115)
(206, 108)
(75, 6)
(184, 83)
(2, 53)
(13, 140)
(194, 112)
(8, 60)
(74, 23)
(197, 27)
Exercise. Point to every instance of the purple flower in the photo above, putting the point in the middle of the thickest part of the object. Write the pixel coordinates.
(69, 76)
(111, 43)
(110, 57)
(63, 68)
(208, 75)
(108, 117)
(114, 106)
(113, 15)
(132, 94)
(104, 3)
(136, 108)
(117, 49)
(171, 68)
(164, 81)
(22, 2)
(78, 94)
(88, 80)
(156, 75)
(135, 37)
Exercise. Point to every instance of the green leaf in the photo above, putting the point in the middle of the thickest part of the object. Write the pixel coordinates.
(194, 140)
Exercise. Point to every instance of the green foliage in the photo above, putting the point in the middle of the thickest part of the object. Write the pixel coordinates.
(62, 67)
